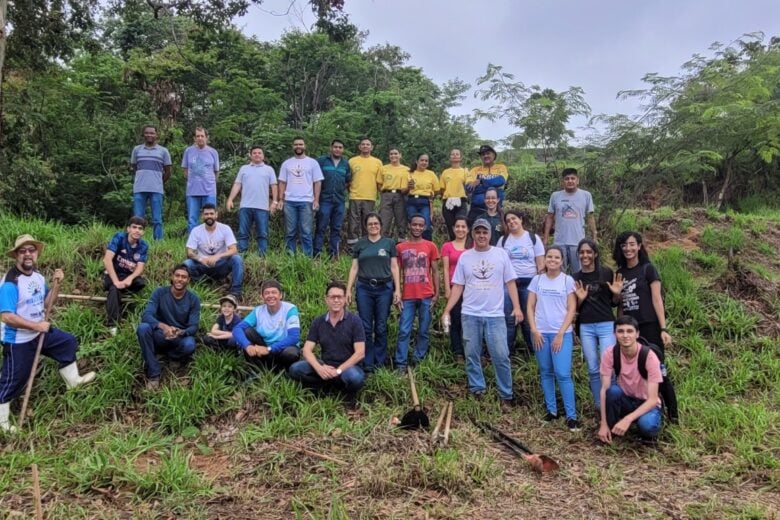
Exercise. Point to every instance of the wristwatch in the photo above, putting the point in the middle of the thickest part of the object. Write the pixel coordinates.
(338, 371)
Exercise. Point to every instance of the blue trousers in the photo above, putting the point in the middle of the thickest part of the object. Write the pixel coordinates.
(298, 221)
(420, 206)
(232, 265)
(491, 330)
(153, 340)
(595, 339)
(373, 304)
(194, 205)
(422, 308)
(246, 218)
(350, 381)
(155, 200)
(556, 367)
(330, 215)
(619, 405)
(18, 359)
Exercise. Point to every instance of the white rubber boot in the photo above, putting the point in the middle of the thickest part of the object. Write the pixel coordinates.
(72, 378)
(5, 413)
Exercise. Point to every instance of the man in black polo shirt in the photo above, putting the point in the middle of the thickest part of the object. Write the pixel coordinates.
(342, 343)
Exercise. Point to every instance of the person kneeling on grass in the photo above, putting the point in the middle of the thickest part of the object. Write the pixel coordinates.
(342, 341)
(23, 296)
(632, 398)
(169, 324)
(220, 336)
(270, 334)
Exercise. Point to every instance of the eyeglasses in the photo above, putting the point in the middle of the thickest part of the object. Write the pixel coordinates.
(25, 250)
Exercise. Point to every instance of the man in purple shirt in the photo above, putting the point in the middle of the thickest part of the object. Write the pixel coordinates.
(200, 164)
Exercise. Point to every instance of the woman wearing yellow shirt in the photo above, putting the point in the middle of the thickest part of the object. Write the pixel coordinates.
(453, 181)
(392, 200)
(423, 187)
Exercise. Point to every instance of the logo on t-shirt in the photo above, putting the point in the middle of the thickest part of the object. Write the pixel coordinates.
(569, 212)
(630, 297)
(483, 270)
(382, 252)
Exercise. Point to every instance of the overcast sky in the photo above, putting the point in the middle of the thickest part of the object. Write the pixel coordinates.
(602, 46)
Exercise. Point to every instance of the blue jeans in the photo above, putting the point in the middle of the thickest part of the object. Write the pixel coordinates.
(247, 217)
(152, 340)
(571, 261)
(619, 405)
(350, 381)
(330, 214)
(194, 205)
(493, 331)
(557, 367)
(421, 206)
(595, 339)
(511, 328)
(232, 265)
(298, 221)
(140, 201)
(422, 308)
(373, 303)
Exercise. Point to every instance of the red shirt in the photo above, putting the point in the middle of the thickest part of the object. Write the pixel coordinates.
(416, 260)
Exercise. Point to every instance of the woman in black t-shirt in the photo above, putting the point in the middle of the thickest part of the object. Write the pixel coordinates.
(595, 287)
(640, 295)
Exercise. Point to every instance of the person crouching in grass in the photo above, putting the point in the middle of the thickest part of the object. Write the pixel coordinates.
(220, 337)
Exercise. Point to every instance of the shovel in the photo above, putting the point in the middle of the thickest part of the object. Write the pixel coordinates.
(539, 463)
(441, 436)
(416, 417)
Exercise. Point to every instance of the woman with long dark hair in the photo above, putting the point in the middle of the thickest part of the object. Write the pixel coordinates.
(423, 187)
(493, 215)
(450, 253)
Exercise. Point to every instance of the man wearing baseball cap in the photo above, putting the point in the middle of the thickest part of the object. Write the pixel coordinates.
(481, 178)
(23, 297)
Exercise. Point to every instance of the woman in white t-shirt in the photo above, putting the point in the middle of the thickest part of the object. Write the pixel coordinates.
(551, 308)
(526, 251)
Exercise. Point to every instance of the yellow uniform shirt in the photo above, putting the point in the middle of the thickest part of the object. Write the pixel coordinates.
(395, 177)
(452, 181)
(366, 173)
(425, 183)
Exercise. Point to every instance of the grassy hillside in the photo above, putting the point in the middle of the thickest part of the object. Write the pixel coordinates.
(207, 446)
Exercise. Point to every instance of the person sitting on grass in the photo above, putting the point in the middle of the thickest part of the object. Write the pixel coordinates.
(270, 334)
(124, 262)
(632, 398)
(220, 336)
(342, 340)
(169, 324)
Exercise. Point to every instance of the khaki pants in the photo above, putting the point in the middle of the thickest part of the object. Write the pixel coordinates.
(392, 207)
(358, 209)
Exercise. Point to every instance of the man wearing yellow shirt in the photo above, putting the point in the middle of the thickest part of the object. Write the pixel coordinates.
(366, 179)
(392, 200)
(485, 176)
(453, 187)
(423, 187)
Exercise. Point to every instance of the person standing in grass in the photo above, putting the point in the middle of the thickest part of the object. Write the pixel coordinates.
(336, 177)
(366, 180)
(23, 297)
(568, 210)
(342, 341)
(419, 262)
(212, 252)
(392, 203)
(480, 277)
(453, 192)
(169, 325)
(552, 305)
(256, 182)
(526, 251)
(300, 181)
(450, 253)
(270, 334)
(124, 261)
(632, 398)
(375, 270)
(150, 163)
(200, 164)
(423, 187)
(594, 284)
(493, 215)
(221, 334)
(487, 175)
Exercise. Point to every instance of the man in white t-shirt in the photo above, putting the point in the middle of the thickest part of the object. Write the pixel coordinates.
(300, 181)
(480, 276)
(212, 252)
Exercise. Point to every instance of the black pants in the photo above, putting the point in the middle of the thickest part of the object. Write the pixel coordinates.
(451, 214)
(651, 332)
(114, 297)
(276, 361)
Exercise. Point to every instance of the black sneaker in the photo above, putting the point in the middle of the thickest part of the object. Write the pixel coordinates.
(550, 417)
(573, 425)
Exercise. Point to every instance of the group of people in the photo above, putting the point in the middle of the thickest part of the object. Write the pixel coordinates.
(497, 277)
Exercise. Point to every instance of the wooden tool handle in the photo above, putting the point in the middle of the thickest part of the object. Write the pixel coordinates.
(415, 399)
(447, 423)
(439, 422)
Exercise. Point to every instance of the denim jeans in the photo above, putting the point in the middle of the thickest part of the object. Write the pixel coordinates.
(373, 304)
(421, 206)
(493, 331)
(422, 308)
(298, 221)
(571, 261)
(194, 205)
(330, 214)
(511, 328)
(619, 405)
(595, 339)
(232, 265)
(350, 381)
(247, 217)
(140, 201)
(557, 367)
(152, 340)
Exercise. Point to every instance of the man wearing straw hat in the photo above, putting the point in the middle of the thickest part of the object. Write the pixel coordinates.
(23, 297)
